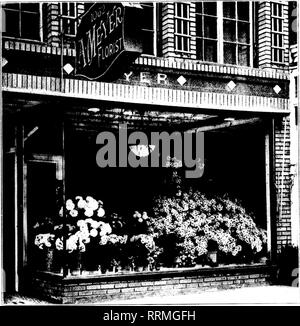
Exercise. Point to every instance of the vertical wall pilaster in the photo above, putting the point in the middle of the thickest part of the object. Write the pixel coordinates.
(283, 181)
(264, 36)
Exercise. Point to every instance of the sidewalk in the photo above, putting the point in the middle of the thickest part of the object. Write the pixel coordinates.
(279, 295)
(249, 295)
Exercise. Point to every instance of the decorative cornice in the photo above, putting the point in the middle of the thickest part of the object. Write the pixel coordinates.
(135, 94)
(144, 60)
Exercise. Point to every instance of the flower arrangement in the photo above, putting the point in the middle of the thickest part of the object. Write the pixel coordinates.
(43, 241)
(183, 229)
(192, 225)
(141, 247)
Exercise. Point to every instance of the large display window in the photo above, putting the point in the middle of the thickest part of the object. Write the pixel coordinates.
(87, 220)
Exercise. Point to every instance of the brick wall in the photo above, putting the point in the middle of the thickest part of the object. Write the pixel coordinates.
(168, 29)
(282, 181)
(52, 20)
(264, 36)
(103, 288)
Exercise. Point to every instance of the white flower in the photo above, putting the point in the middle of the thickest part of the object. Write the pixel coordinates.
(92, 203)
(81, 203)
(44, 240)
(103, 240)
(70, 205)
(101, 212)
(81, 247)
(95, 224)
(59, 244)
(88, 212)
(84, 228)
(71, 243)
(80, 223)
(105, 229)
(93, 233)
(74, 213)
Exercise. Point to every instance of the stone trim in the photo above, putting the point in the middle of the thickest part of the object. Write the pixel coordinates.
(172, 63)
(135, 94)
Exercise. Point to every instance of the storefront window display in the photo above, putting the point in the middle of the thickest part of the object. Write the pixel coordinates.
(176, 225)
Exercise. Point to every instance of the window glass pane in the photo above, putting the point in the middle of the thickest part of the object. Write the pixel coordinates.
(199, 7)
(147, 42)
(280, 40)
(210, 27)
(178, 26)
(243, 10)
(274, 9)
(147, 18)
(274, 24)
(185, 44)
(185, 27)
(244, 55)
(280, 55)
(65, 8)
(279, 12)
(32, 7)
(185, 10)
(210, 8)
(72, 9)
(65, 24)
(210, 50)
(275, 55)
(72, 27)
(274, 38)
(199, 49)
(229, 53)
(229, 9)
(179, 12)
(229, 30)
(30, 24)
(12, 6)
(11, 23)
(199, 25)
(243, 32)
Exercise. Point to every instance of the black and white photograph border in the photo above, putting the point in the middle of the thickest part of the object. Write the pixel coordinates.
(149, 154)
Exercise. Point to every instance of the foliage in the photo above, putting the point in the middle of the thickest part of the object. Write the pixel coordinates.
(190, 225)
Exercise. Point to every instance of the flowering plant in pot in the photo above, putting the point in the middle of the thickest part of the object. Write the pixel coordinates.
(141, 247)
(198, 225)
(86, 219)
(113, 248)
(82, 224)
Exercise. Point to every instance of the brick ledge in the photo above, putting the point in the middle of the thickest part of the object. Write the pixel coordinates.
(159, 274)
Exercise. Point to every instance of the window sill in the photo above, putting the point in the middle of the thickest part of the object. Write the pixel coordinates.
(163, 272)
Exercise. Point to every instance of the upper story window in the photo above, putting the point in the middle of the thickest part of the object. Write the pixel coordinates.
(182, 27)
(236, 33)
(277, 33)
(206, 31)
(22, 20)
(150, 28)
(68, 12)
(224, 32)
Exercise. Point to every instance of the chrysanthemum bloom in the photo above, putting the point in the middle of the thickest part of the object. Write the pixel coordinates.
(100, 212)
(70, 205)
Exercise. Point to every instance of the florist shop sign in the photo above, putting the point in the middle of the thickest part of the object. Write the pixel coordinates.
(108, 38)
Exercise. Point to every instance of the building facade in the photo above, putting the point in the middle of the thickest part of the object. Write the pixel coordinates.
(219, 68)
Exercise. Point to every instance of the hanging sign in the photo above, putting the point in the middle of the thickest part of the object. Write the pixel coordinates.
(108, 39)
